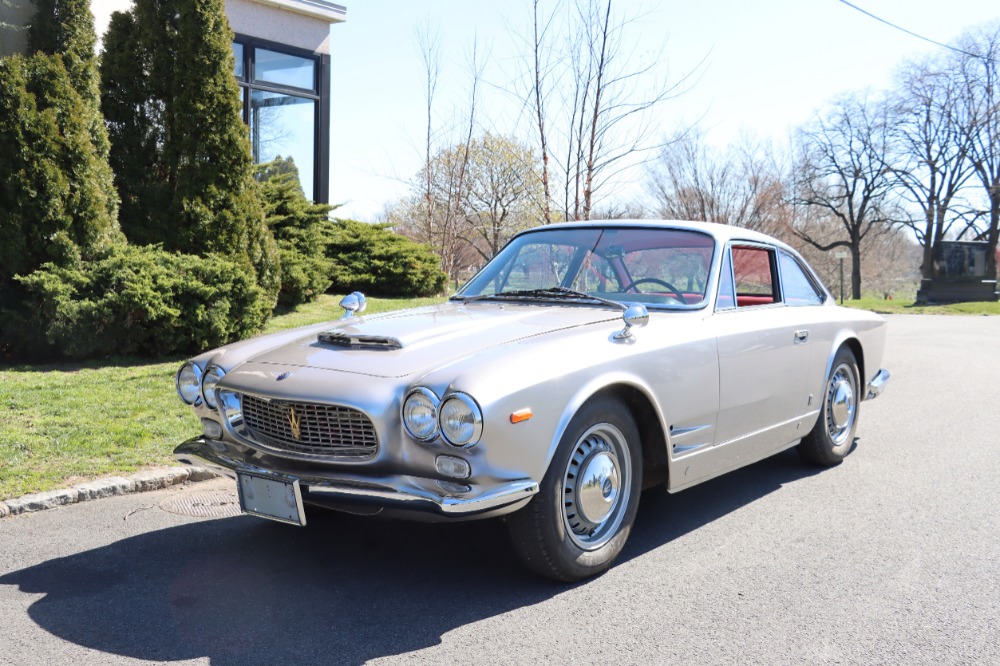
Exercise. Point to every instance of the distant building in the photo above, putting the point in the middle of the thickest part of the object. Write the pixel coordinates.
(959, 274)
(282, 50)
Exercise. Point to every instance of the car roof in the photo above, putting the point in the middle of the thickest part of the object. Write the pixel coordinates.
(721, 232)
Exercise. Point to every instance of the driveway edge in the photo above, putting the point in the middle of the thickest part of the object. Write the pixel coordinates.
(154, 479)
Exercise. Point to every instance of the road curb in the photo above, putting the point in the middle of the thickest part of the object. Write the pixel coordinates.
(154, 479)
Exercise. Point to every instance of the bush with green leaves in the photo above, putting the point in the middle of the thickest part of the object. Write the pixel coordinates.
(373, 259)
(179, 149)
(136, 301)
(299, 228)
(57, 200)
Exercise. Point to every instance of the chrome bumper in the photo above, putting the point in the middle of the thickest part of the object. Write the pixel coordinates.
(877, 384)
(407, 493)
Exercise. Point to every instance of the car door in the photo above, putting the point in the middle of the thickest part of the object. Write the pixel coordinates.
(764, 354)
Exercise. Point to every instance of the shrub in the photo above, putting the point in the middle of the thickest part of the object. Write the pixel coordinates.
(299, 228)
(136, 301)
(179, 149)
(371, 258)
(57, 200)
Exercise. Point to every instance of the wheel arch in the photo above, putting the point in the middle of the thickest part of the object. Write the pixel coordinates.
(648, 420)
(852, 342)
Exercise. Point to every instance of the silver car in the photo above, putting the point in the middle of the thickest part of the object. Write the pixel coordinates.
(584, 363)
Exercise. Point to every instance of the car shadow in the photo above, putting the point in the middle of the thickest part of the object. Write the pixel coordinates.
(345, 589)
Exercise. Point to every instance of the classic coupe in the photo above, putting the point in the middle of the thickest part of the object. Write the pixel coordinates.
(582, 364)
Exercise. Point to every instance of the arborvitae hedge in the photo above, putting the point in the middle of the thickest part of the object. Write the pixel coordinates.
(180, 151)
(57, 200)
(300, 228)
(372, 259)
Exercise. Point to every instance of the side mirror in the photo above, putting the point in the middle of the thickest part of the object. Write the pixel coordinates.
(635, 315)
(354, 303)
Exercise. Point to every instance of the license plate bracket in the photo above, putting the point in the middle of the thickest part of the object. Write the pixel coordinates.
(271, 498)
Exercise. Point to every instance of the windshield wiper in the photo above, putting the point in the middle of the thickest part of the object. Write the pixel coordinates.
(547, 294)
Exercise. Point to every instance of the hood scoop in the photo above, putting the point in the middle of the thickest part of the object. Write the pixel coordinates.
(340, 339)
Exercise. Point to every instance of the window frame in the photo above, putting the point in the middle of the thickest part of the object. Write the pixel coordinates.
(320, 94)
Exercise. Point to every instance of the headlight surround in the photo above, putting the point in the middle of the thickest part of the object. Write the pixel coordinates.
(420, 414)
(188, 382)
(460, 419)
(208, 381)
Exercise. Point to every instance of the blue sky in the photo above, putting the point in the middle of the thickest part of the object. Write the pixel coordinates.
(768, 66)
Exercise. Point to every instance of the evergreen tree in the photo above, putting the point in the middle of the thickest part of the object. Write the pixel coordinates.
(300, 229)
(173, 109)
(57, 202)
(66, 28)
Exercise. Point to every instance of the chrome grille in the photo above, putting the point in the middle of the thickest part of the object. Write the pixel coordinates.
(324, 430)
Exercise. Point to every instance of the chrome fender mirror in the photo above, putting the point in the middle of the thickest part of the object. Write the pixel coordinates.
(354, 303)
(635, 315)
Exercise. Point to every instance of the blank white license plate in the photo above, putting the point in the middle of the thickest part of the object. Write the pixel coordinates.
(267, 498)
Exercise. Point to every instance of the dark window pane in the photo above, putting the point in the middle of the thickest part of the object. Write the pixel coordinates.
(284, 69)
(238, 54)
(285, 126)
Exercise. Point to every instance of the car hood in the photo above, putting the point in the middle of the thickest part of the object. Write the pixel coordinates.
(406, 342)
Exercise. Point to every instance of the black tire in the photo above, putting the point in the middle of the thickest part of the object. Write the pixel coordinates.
(571, 529)
(832, 437)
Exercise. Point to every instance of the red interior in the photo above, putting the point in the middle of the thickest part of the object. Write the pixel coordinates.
(745, 301)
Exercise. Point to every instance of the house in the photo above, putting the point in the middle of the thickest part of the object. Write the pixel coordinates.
(282, 52)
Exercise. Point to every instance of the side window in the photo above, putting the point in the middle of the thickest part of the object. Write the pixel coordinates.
(727, 292)
(795, 284)
(754, 273)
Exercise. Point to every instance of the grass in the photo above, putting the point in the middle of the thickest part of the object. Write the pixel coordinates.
(65, 423)
(905, 306)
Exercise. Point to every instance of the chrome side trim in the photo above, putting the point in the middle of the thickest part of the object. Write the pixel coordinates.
(877, 385)
(400, 492)
(760, 431)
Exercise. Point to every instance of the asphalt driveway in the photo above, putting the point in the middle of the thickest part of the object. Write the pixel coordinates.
(892, 557)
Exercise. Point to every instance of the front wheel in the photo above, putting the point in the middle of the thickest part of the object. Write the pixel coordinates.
(833, 435)
(579, 521)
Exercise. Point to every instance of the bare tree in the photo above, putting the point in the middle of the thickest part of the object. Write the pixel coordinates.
(741, 185)
(930, 150)
(980, 109)
(843, 171)
(605, 100)
(435, 216)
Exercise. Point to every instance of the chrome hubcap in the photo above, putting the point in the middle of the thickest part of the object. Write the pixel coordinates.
(841, 405)
(597, 485)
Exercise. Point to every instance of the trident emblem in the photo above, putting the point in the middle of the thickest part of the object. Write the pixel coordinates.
(295, 423)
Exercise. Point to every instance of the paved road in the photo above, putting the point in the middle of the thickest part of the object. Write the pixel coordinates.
(889, 558)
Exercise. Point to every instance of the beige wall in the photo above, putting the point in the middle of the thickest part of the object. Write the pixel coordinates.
(284, 21)
(277, 24)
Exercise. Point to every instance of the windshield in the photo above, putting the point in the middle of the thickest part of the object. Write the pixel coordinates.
(665, 267)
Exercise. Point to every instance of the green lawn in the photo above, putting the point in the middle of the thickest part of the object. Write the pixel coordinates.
(903, 306)
(69, 422)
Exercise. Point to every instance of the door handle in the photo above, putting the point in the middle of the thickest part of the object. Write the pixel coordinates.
(801, 337)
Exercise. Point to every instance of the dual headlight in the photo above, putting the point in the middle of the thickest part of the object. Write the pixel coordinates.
(457, 418)
(195, 385)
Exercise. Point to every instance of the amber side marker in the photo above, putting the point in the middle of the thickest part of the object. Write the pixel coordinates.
(521, 415)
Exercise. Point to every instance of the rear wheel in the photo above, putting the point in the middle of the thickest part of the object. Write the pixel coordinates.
(831, 438)
(581, 517)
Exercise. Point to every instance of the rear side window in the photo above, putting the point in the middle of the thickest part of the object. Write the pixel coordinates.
(795, 284)
(755, 276)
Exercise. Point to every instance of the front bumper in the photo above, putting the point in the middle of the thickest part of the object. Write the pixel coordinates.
(405, 494)
(877, 385)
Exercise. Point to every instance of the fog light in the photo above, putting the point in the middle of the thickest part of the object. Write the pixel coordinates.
(454, 467)
(212, 429)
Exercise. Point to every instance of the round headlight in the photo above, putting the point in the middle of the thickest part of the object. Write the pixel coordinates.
(212, 376)
(461, 420)
(189, 383)
(420, 411)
